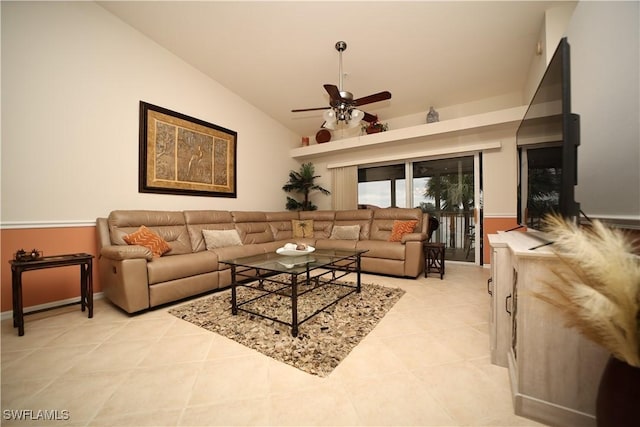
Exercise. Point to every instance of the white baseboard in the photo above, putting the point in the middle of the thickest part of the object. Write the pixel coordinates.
(9, 314)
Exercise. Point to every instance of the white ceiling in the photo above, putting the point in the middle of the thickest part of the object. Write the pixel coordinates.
(277, 55)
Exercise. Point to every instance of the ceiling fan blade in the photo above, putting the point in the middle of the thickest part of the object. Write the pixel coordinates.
(380, 96)
(334, 92)
(369, 118)
(309, 109)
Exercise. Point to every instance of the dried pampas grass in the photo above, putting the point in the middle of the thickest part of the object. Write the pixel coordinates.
(602, 297)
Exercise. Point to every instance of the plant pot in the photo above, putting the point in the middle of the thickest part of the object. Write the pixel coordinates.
(618, 402)
(373, 130)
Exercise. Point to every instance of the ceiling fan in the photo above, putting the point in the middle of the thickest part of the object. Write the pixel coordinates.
(342, 106)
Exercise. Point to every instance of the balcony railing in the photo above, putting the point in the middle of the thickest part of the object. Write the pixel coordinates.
(457, 232)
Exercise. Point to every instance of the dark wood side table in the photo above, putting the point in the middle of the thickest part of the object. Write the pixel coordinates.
(434, 258)
(85, 261)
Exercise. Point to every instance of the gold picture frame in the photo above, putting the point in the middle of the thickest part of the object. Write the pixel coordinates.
(184, 155)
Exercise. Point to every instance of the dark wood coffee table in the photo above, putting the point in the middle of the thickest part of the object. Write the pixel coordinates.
(301, 270)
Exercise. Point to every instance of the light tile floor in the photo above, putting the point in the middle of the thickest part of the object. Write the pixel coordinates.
(426, 363)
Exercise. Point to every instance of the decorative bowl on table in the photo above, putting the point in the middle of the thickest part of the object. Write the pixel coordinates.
(292, 249)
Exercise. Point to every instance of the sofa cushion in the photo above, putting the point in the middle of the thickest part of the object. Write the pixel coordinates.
(169, 225)
(221, 238)
(400, 228)
(383, 220)
(198, 220)
(280, 223)
(180, 266)
(147, 238)
(302, 228)
(232, 252)
(382, 249)
(322, 222)
(252, 227)
(345, 232)
(336, 244)
(361, 217)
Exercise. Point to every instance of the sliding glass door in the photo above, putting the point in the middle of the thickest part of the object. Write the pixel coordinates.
(446, 188)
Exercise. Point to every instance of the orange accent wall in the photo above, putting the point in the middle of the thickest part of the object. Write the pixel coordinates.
(51, 284)
(492, 226)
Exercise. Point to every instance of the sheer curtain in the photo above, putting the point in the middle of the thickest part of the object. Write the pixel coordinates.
(344, 187)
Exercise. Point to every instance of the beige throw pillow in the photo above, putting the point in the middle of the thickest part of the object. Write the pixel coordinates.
(345, 232)
(221, 238)
(302, 228)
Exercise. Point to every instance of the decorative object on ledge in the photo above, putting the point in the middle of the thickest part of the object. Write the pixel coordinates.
(374, 126)
(322, 136)
(432, 116)
(184, 155)
(303, 182)
(305, 141)
(22, 255)
(601, 299)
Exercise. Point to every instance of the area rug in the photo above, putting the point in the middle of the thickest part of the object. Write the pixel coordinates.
(323, 341)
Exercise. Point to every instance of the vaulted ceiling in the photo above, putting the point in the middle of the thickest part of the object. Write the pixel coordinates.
(278, 55)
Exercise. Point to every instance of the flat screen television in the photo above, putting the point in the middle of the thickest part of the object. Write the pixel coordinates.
(547, 140)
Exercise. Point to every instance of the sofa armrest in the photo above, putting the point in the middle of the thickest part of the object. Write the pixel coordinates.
(414, 237)
(120, 252)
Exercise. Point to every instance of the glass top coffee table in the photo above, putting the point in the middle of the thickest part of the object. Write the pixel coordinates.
(272, 275)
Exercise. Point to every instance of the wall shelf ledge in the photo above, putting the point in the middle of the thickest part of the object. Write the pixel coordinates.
(461, 124)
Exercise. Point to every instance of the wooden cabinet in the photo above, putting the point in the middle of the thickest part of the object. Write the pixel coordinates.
(499, 287)
(554, 371)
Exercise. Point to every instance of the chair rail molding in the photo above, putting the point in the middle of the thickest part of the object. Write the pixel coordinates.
(16, 225)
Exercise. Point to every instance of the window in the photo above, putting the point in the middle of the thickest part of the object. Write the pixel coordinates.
(382, 187)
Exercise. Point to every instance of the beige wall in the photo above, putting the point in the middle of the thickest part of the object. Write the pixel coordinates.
(72, 79)
(605, 92)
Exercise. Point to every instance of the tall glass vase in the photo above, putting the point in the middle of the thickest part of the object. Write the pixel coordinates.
(618, 402)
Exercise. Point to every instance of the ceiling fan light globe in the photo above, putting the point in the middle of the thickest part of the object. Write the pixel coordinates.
(329, 116)
(330, 120)
(356, 118)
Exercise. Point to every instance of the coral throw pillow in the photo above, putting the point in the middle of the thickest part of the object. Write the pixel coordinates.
(147, 238)
(400, 228)
(302, 228)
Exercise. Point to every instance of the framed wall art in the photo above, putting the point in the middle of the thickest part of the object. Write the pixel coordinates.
(184, 155)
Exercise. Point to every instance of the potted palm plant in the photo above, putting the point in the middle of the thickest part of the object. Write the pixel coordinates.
(303, 182)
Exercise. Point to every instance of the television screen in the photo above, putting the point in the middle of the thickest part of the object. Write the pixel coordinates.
(541, 167)
(547, 141)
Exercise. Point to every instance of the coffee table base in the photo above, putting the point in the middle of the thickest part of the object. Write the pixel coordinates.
(248, 277)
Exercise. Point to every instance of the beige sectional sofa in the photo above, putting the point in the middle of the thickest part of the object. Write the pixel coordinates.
(134, 279)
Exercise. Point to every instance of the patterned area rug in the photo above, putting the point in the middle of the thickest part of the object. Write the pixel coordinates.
(323, 341)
